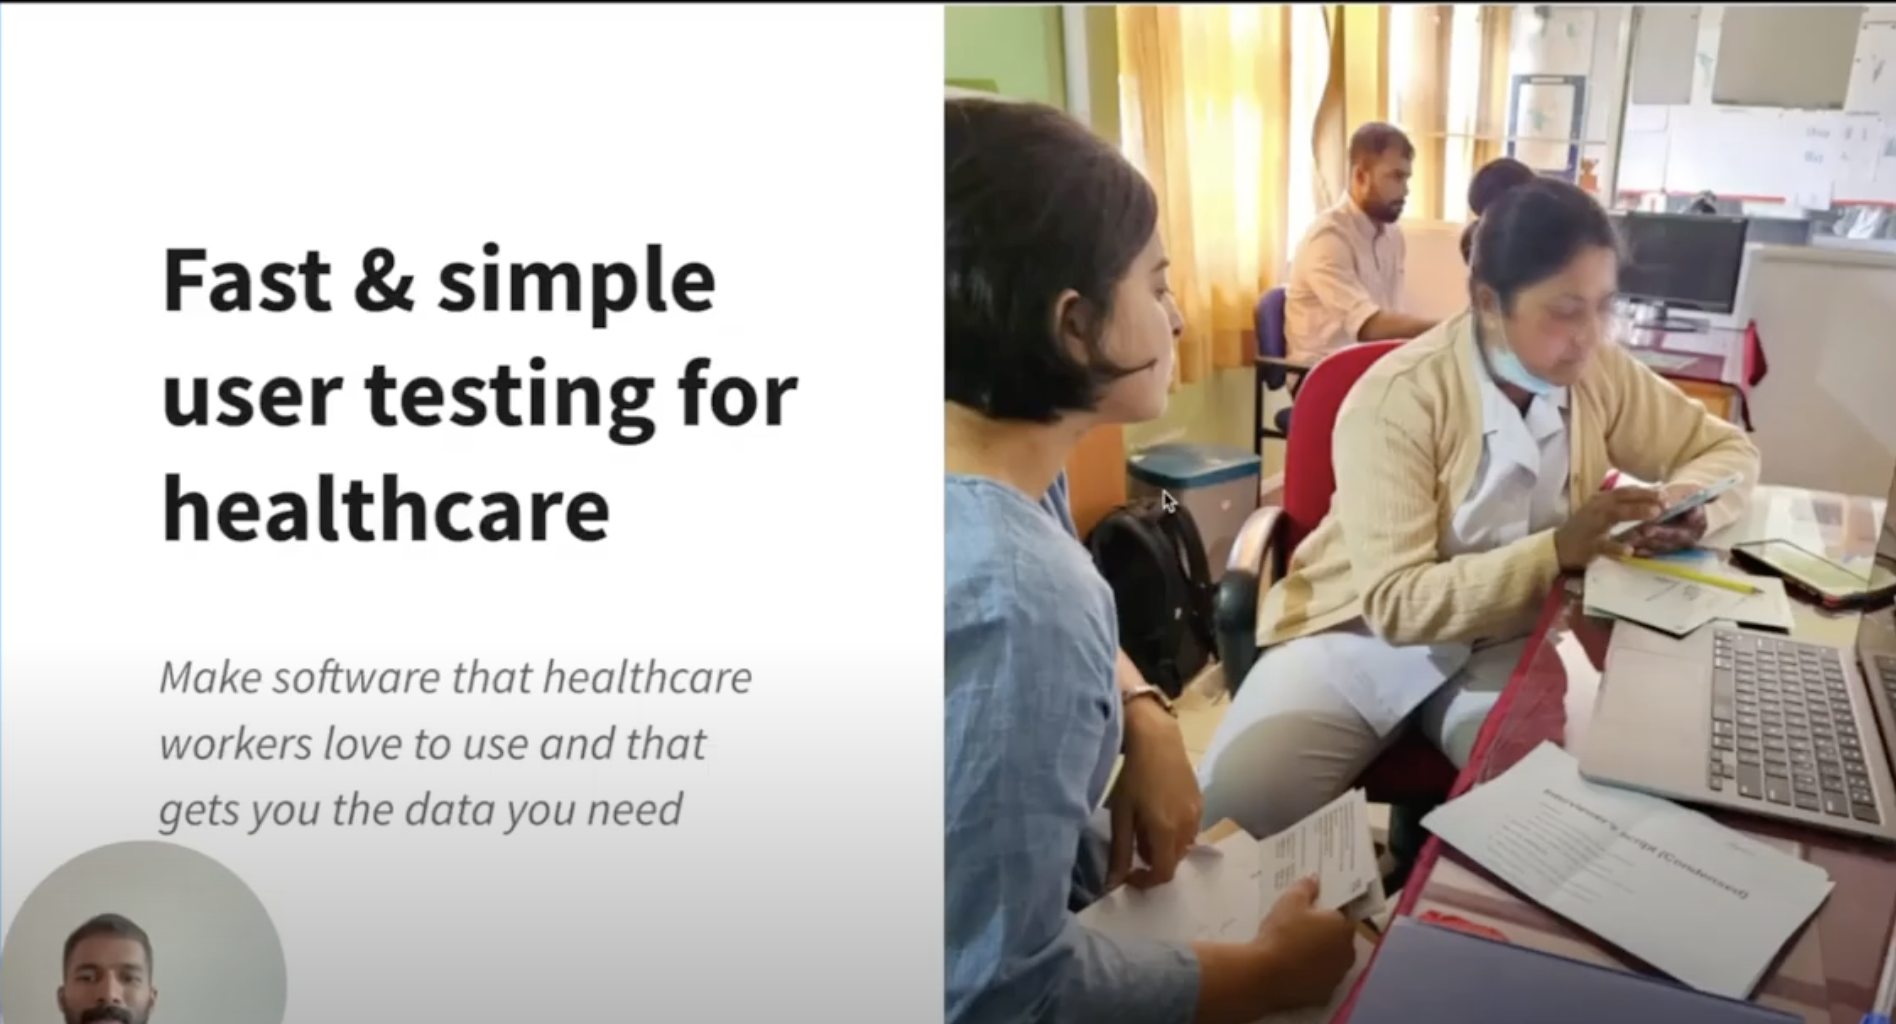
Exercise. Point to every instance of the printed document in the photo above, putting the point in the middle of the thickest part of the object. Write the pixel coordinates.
(1334, 845)
(1770, 607)
(1693, 898)
(1679, 606)
(1218, 895)
(1666, 603)
(1221, 892)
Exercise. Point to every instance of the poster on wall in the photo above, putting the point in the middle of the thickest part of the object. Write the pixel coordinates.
(1545, 123)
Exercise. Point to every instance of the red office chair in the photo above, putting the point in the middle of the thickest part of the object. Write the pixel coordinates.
(1411, 776)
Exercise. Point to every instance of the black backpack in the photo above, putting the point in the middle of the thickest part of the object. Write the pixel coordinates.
(1150, 553)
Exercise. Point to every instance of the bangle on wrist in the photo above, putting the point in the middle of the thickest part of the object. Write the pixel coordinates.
(1147, 692)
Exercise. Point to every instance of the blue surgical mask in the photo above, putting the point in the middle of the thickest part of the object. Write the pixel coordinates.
(1507, 366)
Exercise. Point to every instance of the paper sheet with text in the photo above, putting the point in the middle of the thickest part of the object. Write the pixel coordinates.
(1333, 844)
(1642, 873)
(1678, 606)
(1222, 893)
(1666, 603)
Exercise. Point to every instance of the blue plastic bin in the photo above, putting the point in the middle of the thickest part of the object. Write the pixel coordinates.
(1216, 483)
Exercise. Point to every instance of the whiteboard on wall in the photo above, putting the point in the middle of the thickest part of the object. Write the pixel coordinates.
(1764, 154)
(1665, 50)
(1811, 158)
(1642, 160)
(1734, 151)
(1791, 57)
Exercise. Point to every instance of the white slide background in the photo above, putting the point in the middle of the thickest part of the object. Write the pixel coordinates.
(796, 151)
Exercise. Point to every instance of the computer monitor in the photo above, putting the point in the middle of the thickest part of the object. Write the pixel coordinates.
(1681, 260)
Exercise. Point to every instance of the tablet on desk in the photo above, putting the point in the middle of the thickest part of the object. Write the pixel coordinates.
(1828, 583)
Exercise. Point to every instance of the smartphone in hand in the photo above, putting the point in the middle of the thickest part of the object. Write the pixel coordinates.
(1703, 496)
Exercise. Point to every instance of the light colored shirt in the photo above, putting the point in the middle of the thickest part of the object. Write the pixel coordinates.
(1347, 269)
(1407, 450)
(1033, 728)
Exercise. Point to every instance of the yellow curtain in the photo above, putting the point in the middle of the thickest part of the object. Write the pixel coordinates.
(1357, 91)
(1421, 103)
(1418, 45)
(1491, 125)
(1205, 97)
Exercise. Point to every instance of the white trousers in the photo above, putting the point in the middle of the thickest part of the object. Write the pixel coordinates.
(1293, 740)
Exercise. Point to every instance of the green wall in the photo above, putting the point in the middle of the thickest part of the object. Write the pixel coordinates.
(1016, 48)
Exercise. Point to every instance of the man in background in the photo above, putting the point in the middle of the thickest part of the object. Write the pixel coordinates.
(107, 974)
(1346, 279)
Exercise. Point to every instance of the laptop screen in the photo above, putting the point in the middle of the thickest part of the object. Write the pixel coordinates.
(1886, 541)
(1877, 633)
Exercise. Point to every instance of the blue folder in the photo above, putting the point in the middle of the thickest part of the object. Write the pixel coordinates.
(1425, 974)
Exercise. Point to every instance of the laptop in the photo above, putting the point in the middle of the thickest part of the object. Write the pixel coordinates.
(1755, 721)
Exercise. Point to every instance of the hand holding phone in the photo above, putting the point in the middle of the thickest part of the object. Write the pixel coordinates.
(1697, 499)
(1586, 533)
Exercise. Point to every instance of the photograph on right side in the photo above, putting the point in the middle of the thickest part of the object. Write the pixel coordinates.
(1418, 485)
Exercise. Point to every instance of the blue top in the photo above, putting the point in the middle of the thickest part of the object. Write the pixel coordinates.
(1033, 729)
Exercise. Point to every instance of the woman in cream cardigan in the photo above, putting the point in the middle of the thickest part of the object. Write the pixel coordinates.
(1468, 464)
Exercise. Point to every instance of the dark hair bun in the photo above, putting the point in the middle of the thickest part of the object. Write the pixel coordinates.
(1533, 231)
(1495, 179)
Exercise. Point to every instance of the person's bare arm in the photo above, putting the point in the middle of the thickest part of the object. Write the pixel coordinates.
(1388, 325)
(1298, 958)
(1156, 802)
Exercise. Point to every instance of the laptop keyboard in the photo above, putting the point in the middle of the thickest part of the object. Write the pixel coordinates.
(1783, 731)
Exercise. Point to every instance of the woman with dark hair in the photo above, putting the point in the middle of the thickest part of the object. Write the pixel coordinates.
(1491, 182)
(1059, 319)
(1468, 467)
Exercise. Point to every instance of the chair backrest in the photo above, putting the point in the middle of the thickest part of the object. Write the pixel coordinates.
(1270, 334)
(1309, 476)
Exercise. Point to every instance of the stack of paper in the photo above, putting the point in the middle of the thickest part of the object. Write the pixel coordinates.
(1333, 844)
(1221, 892)
(1693, 898)
(1678, 606)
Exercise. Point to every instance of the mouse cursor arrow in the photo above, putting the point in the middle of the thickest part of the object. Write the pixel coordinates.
(1167, 502)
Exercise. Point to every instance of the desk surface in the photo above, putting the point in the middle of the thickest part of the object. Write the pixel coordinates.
(1715, 355)
(1829, 973)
